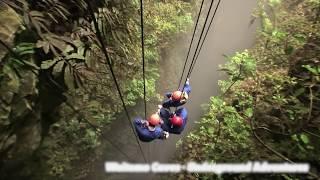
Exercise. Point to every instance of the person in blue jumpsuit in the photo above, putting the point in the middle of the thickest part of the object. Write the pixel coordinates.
(174, 122)
(177, 98)
(149, 130)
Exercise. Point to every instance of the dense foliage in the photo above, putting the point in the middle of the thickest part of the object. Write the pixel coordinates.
(269, 107)
(57, 94)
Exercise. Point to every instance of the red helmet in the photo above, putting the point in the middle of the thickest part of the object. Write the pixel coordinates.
(176, 121)
(176, 96)
(154, 119)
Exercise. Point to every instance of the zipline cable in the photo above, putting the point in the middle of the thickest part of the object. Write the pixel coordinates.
(103, 48)
(202, 31)
(143, 68)
(195, 53)
(143, 59)
(193, 35)
(205, 36)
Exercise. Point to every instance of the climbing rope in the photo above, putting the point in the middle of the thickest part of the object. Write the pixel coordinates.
(103, 48)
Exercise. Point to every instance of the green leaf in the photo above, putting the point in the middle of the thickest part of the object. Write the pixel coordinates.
(311, 69)
(48, 64)
(248, 112)
(58, 68)
(24, 48)
(75, 56)
(310, 147)
(57, 43)
(94, 104)
(14, 83)
(299, 91)
(210, 130)
(17, 61)
(81, 50)
(289, 50)
(21, 108)
(68, 49)
(44, 45)
(278, 34)
(68, 78)
(300, 37)
(286, 177)
(267, 24)
(26, 52)
(294, 137)
(31, 64)
(304, 138)
(274, 3)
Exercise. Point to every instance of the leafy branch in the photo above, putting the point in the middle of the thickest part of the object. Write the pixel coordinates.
(234, 80)
(253, 130)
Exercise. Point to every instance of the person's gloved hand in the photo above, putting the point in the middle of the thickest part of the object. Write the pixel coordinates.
(144, 123)
(184, 97)
(161, 121)
(165, 134)
(188, 81)
(159, 108)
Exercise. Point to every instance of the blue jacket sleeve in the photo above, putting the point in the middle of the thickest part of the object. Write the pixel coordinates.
(168, 94)
(138, 125)
(159, 133)
(187, 88)
(169, 103)
(166, 103)
(180, 104)
(139, 130)
(137, 121)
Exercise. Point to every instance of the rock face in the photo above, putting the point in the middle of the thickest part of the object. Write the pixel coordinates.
(10, 24)
(20, 113)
